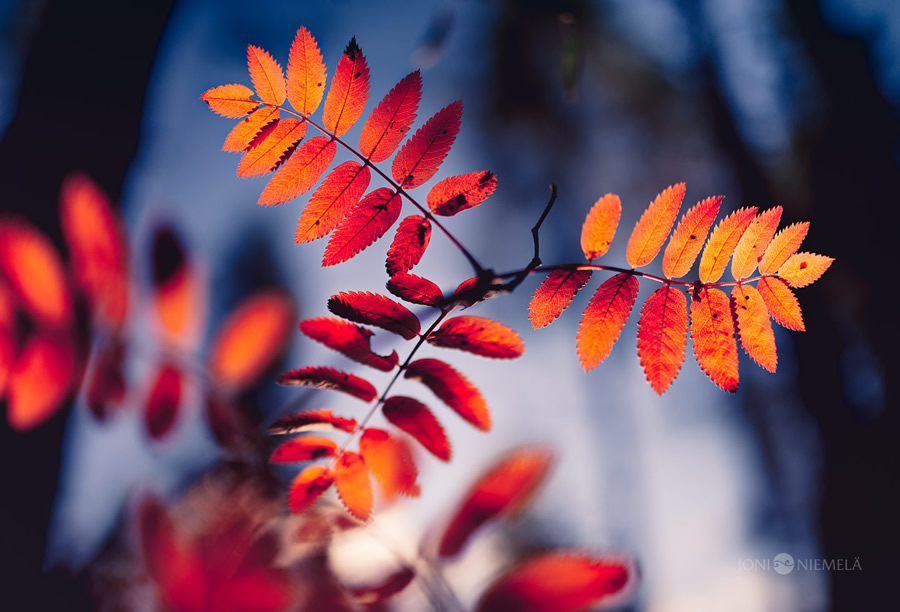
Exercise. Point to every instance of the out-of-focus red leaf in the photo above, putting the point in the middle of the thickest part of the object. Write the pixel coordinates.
(348, 339)
(164, 401)
(421, 156)
(478, 335)
(374, 309)
(312, 420)
(39, 380)
(390, 462)
(106, 385)
(390, 121)
(410, 242)
(305, 448)
(353, 485)
(414, 418)
(458, 193)
(453, 389)
(329, 378)
(308, 486)
(179, 297)
(369, 220)
(233, 425)
(415, 289)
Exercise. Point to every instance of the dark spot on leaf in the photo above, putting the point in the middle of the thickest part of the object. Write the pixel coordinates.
(693, 237)
(746, 297)
(802, 265)
(356, 75)
(715, 315)
(461, 199)
(319, 84)
(444, 131)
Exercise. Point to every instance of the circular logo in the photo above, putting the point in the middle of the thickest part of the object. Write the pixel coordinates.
(783, 563)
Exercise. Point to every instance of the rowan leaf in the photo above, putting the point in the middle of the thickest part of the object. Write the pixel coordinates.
(178, 290)
(653, 227)
(164, 401)
(414, 418)
(753, 326)
(267, 76)
(600, 226)
(604, 318)
(687, 239)
(722, 242)
(390, 121)
(305, 74)
(308, 486)
(374, 309)
(504, 490)
(390, 462)
(781, 303)
(478, 335)
(802, 269)
(305, 448)
(335, 197)
(349, 339)
(368, 221)
(458, 193)
(266, 153)
(554, 295)
(410, 241)
(311, 420)
(349, 91)
(415, 289)
(300, 172)
(40, 378)
(421, 156)
(247, 130)
(329, 378)
(783, 245)
(712, 334)
(353, 485)
(230, 100)
(453, 389)
(662, 336)
(753, 243)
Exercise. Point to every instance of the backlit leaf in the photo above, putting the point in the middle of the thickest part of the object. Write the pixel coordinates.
(368, 221)
(353, 485)
(802, 269)
(458, 193)
(478, 335)
(414, 418)
(374, 309)
(410, 242)
(390, 462)
(266, 153)
(164, 401)
(712, 334)
(662, 336)
(421, 156)
(415, 289)
(600, 226)
(179, 295)
(390, 121)
(39, 379)
(653, 227)
(722, 242)
(305, 74)
(604, 318)
(335, 197)
(554, 295)
(245, 132)
(349, 91)
(230, 100)
(305, 448)
(781, 303)
(348, 339)
(753, 243)
(311, 420)
(687, 239)
(754, 327)
(267, 76)
(106, 381)
(783, 245)
(308, 486)
(329, 378)
(300, 172)
(453, 389)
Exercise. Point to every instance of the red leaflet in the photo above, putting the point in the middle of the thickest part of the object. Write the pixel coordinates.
(308, 486)
(338, 193)
(459, 193)
(390, 462)
(558, 581)
(413, 417)
(348, 339)
(480, 336)
(415, 289)
(662, 336)
(300, 172)
(230, 100)
(688, 237)
(246, 131)
(754, 327)
(410, 242)
(329, 378)
(365, 224)
(554, 295)
(453, 389)
(374, 309)
(651, 230)
(267, 152)
(781, 303)
(162, 405)
(307, 448)
(311, 420)
(505, 489)
(353, 485)
(600, 226)
(106, 384)
(390, 121)
(349, 91)
(802, 269)
(783, 245)
(422, 154)
(267, 76)
(474, 290)
(305, 74)
(604, 318)
(722, 243)
(40, 378)
(753, 243)
(712, 334)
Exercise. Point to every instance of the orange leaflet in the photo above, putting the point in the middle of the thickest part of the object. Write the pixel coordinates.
(349, 91)
(353, 485)
(687, 240)
(410, 242)
(245, 132)
(365, 224)
(414, 418)
(335, 197)
(163, 402)
(106, 384)
(267, 76)
(96, 246)
(754, 242)
(39, 379)
(34, 272)
(453, 389)
(390, 462)
(305, 74)
(300, 172)
(311, 420)
(480, 336)
(329, 378)
(390, 121)
(267, 152)
(652, 228)
(781, 303)
(251, 338)
(712, 334)
(421, 156)
(600, 226)
(604, 318)
(558, 581)
(230, 100)
(802, 269)
(307, 448)
(415, 289)
(505, 489)
(348, 339)
(374, 309)
(662, 336)
(722, 242)
(554, 295)
(785, 244)
(308, 486)
(754, 327)
(462, 192)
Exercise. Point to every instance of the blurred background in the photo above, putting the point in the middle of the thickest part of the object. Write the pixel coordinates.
(791, 103)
